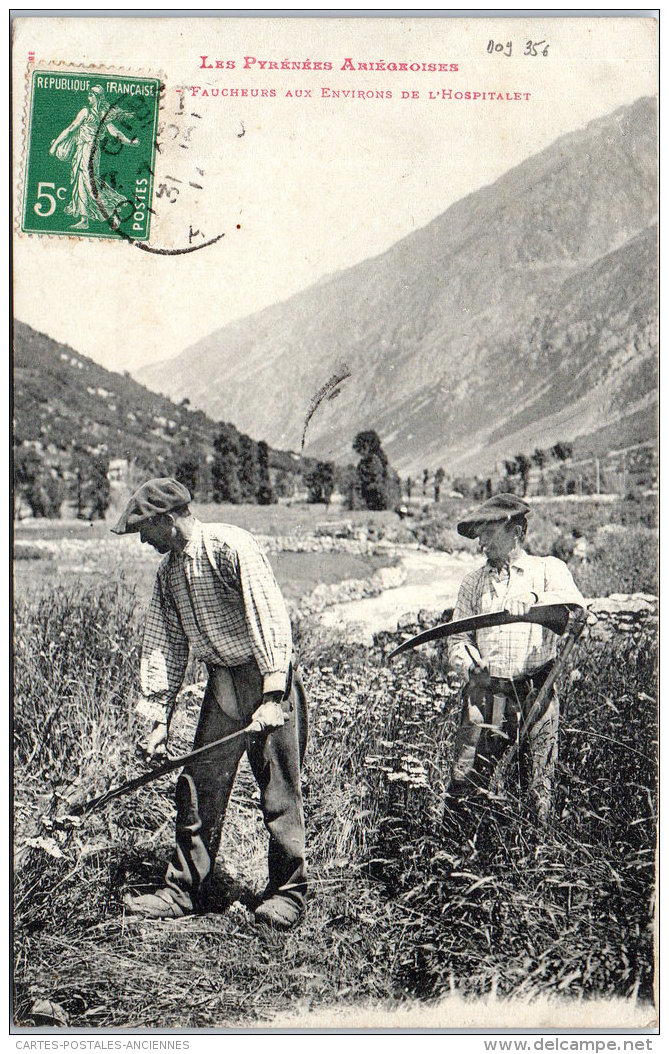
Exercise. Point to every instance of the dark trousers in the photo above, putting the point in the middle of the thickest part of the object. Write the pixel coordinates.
(205, 784)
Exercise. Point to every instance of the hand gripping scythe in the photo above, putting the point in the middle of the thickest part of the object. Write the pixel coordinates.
(84, 808)
(79, 810)
(567, 619)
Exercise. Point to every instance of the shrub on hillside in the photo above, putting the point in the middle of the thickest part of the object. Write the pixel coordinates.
(621, 561)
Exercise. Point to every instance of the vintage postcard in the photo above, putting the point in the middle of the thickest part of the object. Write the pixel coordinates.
(335, 529)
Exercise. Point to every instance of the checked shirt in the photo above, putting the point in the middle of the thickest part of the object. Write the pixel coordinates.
(219, 600)
(520, 648)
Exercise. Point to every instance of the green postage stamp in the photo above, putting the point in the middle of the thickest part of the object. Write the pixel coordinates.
(90, 154)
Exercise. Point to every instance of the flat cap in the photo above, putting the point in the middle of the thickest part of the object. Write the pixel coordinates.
(152, 498)
(500, 508)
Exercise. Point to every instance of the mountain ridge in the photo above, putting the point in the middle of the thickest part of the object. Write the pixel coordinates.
(441, 330)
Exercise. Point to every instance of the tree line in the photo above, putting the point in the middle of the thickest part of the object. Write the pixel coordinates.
(239, 470)
(518, 469)
(235, 470)
(371, 484)
(516, 477)
(44, 486)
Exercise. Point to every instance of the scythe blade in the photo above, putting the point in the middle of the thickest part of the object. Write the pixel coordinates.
(551, 616)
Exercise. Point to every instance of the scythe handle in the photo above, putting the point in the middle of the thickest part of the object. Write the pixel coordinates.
(140, 781)
(576, 627)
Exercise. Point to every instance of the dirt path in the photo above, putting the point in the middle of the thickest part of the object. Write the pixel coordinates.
(432, 581)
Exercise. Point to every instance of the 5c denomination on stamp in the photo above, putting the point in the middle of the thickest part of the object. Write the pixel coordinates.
(90, 154)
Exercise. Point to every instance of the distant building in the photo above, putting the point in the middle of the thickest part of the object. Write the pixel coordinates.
(118, 470)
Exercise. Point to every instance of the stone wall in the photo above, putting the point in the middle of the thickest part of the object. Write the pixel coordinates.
(361, 544)
(623, 613)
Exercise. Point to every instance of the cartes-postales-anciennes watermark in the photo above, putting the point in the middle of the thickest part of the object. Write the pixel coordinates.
(90, 154)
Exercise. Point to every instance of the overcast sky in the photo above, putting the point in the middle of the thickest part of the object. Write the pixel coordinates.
(315, 184)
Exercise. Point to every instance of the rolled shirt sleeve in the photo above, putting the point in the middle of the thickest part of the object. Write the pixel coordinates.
(460, 645)
(164, 655)
(266, 616)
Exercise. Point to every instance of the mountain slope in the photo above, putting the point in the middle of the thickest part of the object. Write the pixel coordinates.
(503, 323)
(63, 399)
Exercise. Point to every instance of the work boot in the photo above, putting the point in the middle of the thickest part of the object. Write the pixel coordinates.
(158, 905)
(279, 913)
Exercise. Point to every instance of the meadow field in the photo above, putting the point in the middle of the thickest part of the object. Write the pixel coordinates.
(50, 553)
(456, 914)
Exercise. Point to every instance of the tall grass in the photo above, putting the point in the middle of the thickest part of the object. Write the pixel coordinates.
(496, 904)
(411, 897)
(483, 900)
(76, 654)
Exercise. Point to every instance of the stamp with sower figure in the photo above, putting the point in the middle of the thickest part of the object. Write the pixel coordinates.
(90, 158)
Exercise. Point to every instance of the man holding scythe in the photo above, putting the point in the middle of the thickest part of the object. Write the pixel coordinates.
(506, 666)
(216, 597)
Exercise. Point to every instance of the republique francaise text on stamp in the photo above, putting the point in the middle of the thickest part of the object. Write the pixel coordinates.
(90, 154)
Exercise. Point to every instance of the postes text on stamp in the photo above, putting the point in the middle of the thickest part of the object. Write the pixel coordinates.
(90, 154)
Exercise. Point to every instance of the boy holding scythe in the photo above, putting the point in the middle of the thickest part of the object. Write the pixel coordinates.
(507, 665)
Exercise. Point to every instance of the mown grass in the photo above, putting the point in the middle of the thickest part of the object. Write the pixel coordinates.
(39, 570)
(411, 898)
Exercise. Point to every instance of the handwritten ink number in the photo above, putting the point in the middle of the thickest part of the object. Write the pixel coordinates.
(532, 48)
(498, 47)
